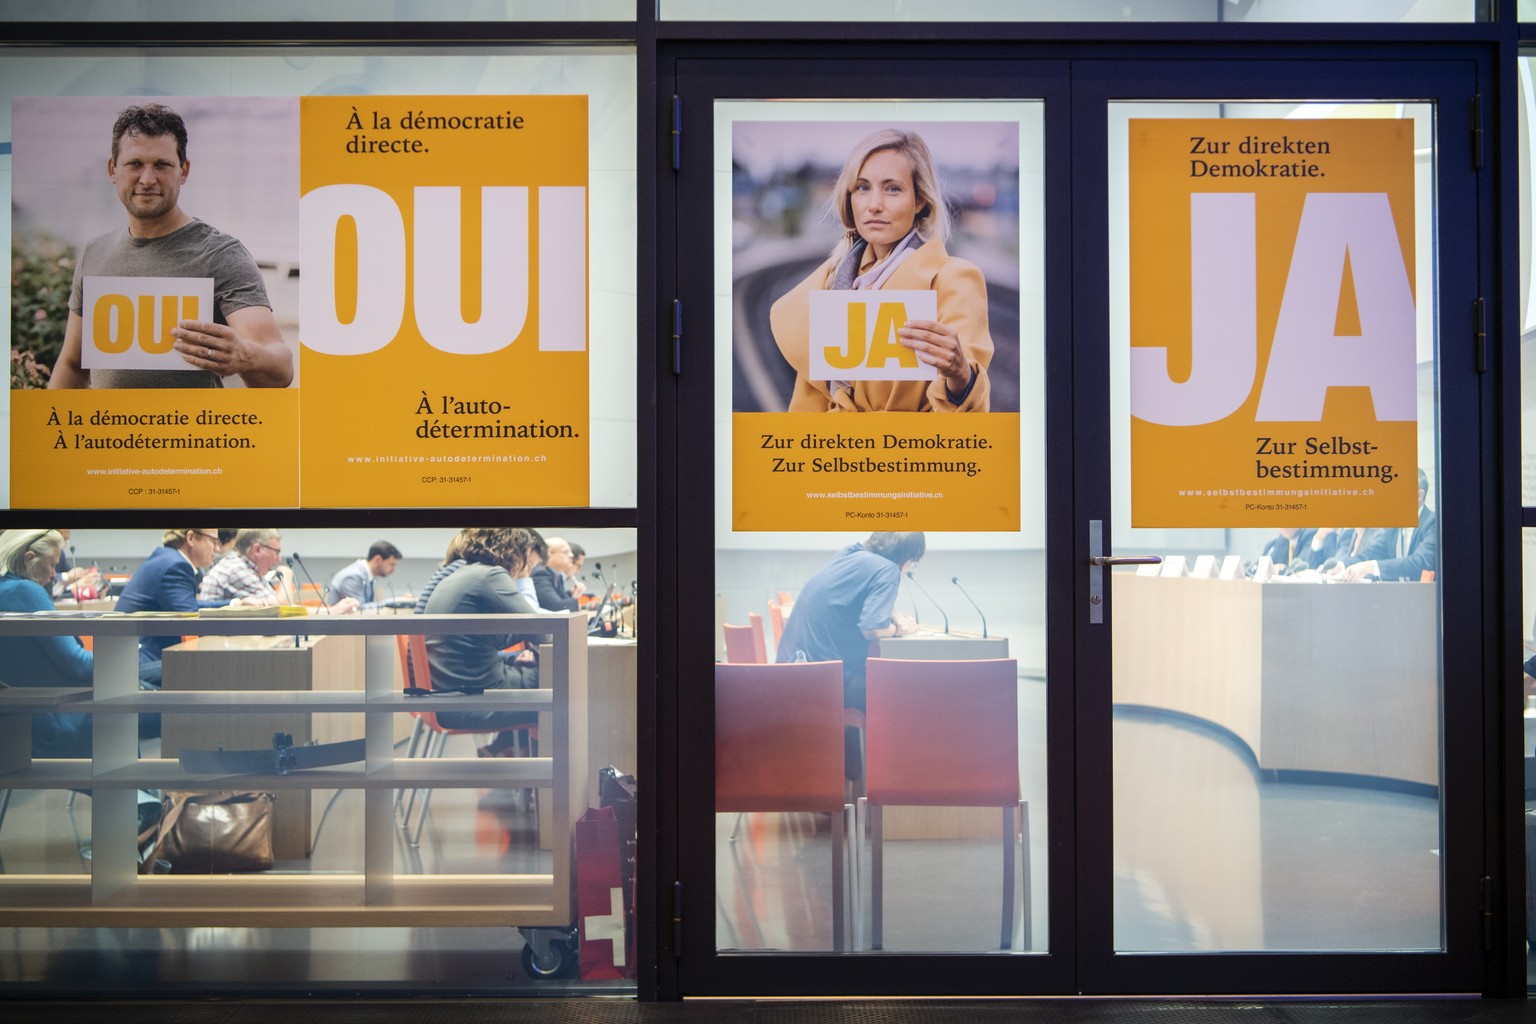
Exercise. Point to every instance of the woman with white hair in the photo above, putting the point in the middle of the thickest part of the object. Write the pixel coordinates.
(894, 227)
(28, 560)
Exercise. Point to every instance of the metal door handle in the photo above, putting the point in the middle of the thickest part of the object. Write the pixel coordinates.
(1097, 560)
(1126, 560)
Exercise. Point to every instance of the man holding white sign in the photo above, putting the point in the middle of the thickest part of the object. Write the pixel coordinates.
(168, 301)
(918, 341)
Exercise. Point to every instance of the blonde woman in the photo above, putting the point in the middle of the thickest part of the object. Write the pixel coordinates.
(28, 560)
(894, 228)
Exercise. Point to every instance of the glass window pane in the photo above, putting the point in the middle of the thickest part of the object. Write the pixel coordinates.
(816, 593)
(1244, 758)
(442, 805)
(1304, 11)
(69, 202)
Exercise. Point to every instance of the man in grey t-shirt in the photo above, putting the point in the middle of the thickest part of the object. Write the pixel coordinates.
(148, 166)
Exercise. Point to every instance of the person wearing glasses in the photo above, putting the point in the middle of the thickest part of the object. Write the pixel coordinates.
(241, 578)
(167, 582)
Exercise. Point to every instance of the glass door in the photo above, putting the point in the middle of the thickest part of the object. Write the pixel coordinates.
(1269, 755)
(919, 313)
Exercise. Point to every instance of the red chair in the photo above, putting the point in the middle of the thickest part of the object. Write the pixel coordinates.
(779, 747)
(944, 734)
(741, 647)
(415, 671)
(776, 621)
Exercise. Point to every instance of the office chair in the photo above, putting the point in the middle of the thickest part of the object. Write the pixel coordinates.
(415, 670)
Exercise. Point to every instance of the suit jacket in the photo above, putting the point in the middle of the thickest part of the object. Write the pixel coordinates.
(550, 588)
(1282, 551)
(353, 581)
(1423, 549)
(962, 305)
(166, 582)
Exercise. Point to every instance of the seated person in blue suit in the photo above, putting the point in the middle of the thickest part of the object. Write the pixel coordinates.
(28, 562)
(1401, 553)
(356, 580)
(167, 582)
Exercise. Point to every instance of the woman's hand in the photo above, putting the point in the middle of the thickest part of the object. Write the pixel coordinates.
(938, 345)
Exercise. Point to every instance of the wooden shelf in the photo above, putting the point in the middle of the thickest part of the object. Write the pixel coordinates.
(366, 698)
(283, 901)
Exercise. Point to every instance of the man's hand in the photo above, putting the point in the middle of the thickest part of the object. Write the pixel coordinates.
(251, 346)
(1360, 570)
(904, 624)
(346, 606)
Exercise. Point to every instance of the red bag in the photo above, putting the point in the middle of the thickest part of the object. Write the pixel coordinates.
(607, 949)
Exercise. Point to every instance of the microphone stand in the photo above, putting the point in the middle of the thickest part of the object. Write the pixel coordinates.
(931, 601)
(956, 581)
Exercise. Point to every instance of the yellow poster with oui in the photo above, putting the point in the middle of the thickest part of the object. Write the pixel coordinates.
(443, 323)
(1272, 323)
(194, 448)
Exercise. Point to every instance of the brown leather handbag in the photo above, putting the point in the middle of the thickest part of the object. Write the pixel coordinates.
(215, 833)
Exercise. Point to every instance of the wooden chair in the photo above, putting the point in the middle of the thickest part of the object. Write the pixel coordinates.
(779, 747)
(415, 671)
(944, 734)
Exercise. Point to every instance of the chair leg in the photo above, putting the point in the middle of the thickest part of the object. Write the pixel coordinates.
(410, 752)
(5, 805)
(426, 797)
(839, 833)
(855, 902)
(876, 872)
(1028, 909)
(1008, 858)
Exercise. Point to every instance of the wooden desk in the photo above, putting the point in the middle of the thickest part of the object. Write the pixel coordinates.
(1339, 678)
(214, 663)
(943, 647)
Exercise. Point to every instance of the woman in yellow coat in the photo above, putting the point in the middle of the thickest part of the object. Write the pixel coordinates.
(895, 222)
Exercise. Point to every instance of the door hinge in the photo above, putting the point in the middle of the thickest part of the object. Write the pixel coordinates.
(677, 133)
(1477, 132)
(1487, 886)
(677, 920)
(1480, 335)
(677, 337)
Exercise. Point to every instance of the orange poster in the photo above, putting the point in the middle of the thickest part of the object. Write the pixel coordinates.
(875, 326)
(1273, 325)
(444, 306)
(153, 307)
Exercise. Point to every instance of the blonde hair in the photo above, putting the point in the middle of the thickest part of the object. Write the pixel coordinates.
(15, 545)
(932, 220)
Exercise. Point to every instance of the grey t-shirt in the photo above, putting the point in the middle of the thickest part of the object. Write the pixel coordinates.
(194, 250)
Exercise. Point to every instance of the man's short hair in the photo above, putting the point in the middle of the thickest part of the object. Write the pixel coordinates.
(152, 120)
(383, 549)
(247, 539)
(577, 552)
(537, 546)
(898, 547)
(225, 536)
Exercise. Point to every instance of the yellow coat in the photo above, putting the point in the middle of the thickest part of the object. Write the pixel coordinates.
(962, 306)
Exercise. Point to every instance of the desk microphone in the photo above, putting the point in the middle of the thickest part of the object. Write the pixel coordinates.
(295, 562)
(956, 581)
(931, 601)
(601, 626)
